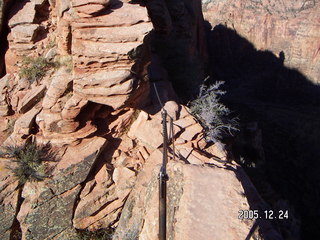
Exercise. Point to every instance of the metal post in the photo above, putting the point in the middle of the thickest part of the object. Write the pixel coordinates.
(163, 178)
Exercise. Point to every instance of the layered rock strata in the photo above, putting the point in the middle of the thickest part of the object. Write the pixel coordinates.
(289, 29)
(95, 110)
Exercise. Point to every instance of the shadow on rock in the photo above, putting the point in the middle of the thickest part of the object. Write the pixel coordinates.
(284, 105)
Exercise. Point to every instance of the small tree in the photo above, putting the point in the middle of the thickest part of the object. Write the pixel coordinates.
(212, 114)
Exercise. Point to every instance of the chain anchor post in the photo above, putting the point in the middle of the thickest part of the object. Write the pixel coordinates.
(163, 178)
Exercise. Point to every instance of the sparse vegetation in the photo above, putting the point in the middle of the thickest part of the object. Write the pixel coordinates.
(65, 61)
(213, 115)
(29, 159)
(34, 69)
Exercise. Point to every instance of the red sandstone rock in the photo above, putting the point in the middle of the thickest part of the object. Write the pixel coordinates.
(8, 198)
(25, 15)
(289, 26)
(31, 98)
(4, 107)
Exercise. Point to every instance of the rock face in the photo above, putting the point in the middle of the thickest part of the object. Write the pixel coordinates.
(197, 196)
(101, 54)
(8, 198)
(289, 29)
(4, 5)
(98, 111)
(48, 206)
(178, 25)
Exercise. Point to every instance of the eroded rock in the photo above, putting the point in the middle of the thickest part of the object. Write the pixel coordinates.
(9, 197)
(48, 207)
(288, 27)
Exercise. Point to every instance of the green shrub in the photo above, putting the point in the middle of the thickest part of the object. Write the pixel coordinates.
(213, 115)
(34, 69)
(29, 159)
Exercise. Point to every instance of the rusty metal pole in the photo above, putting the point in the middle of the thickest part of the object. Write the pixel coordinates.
(163, 178)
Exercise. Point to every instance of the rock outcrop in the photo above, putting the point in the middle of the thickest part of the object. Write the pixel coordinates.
(9, 198)
(101, 54)
(197, 196)
(288, 29)
(95, 105)
(179, 45)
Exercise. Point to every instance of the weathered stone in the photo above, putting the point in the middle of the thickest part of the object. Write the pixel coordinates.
(47, 220)
(172, 109)
(31, 98)
(187, 153)
(290, 27)
(110, 88)
(4, 107)
(62, 6)
(76, 3)
(90, 9)
(103, 197)
(25, 15)
(76, 155)
(119, 34)
(123, 122)
(9, 196)
(24, 33)
(127, 15)
(140, 200)
(213, 208)
(22, 128)
(218, 150)
(73, 107)
(191, 132)
(121, 175)
(58, 86)
(48, 208)
(4, 124)
(72, 138)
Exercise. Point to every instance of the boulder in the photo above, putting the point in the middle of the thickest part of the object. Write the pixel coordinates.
(22, 128)
(207, 197)
(25, 15)
(24, 33)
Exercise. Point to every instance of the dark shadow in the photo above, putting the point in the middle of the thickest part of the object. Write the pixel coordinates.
(4, 47)
(285, 105)
(142, 3)
(252, 230)
(42, 14)
(268, 228)
(114, 4)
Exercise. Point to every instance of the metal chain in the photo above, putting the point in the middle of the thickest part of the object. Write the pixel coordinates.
(171, 136)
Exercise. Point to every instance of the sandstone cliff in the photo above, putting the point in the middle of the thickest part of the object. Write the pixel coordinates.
(290, 27)
(78, 77)
(268, 54)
